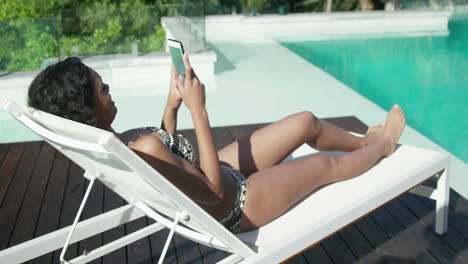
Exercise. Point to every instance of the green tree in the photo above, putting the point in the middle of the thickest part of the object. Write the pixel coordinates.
(20, 9)
(110, 28)
(96, 27)
(26, 43)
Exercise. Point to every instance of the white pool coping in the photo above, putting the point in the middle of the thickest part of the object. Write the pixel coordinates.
(318, 26)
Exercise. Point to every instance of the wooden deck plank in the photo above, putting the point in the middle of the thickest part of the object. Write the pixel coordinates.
(93, 207)
(349, 123)
(188, 252)
(16, 192)
(8, 168)
(317, 254)
(139, 251)
(338, 251)
(392, 252)
(29, 213)
(49, 218)
(211, 255)
(457, 222)
(298, 260)
(158, 241)
(119, 256)
(74, 192)
(417, 253)
(457, 203)
(458, 209)
(360, 246)
(3, 151)
(222, 137)
(238, 132)
(423, 234)
(427, 216)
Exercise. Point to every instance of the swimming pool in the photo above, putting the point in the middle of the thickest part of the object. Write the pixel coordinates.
(427, 76)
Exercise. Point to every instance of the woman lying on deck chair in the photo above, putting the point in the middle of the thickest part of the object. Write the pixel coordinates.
(243, 185)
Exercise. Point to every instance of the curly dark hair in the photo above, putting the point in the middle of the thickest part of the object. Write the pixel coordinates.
(65, 89)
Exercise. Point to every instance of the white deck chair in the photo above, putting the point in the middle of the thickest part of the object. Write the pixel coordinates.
(318, 216)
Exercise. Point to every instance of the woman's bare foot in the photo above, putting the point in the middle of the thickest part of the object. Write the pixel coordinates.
(372, 134)
(393, 128)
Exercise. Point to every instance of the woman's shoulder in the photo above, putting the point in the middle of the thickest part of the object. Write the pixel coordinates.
(132, 135)
(148, 143)
(142, 130)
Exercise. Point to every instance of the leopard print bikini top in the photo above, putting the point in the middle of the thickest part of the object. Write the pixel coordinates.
(178, 144)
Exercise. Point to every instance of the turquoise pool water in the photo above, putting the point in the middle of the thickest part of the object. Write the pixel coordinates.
(427, 76)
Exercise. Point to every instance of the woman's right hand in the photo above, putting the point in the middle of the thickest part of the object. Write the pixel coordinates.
(193, 90)
(193, 95)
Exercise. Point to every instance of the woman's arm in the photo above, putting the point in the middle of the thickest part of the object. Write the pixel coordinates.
(193, 95)
(169, 121)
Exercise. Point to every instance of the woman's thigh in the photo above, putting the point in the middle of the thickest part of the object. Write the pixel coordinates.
(269, 145)
(272, 191)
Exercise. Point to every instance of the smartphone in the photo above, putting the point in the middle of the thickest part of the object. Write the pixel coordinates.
(177, 51)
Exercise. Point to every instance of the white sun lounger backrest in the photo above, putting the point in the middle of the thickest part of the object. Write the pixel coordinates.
(105, 157)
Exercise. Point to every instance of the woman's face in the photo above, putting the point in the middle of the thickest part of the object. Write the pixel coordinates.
(103, 104)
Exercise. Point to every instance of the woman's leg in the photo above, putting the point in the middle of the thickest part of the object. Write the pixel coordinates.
(270, 145)
(270, 192)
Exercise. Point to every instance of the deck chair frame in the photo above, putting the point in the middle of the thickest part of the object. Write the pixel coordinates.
(242, 249)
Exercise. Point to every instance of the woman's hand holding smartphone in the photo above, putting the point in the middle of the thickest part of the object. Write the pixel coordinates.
(177, 52)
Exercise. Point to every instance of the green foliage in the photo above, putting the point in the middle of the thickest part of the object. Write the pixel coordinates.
(345, 5)
(97, 27)
(259, 4)
(153, 41)
(220, 7)
(21, 9)
(103, 28)
(26, 43)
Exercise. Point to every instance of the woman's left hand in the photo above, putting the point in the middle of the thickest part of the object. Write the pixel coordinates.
(192, 90)
(174, 98)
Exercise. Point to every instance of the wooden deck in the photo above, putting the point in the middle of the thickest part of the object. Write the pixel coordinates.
(40, 191)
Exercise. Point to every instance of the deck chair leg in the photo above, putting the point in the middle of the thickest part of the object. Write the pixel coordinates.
(77, 218)
(442, 202)
(169, 237)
